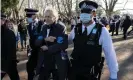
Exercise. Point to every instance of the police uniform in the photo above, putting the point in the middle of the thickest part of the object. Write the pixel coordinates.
(113, 26)
(117, 24)
(126, 24)
(55, 59)
(32, 31)
(88, 44)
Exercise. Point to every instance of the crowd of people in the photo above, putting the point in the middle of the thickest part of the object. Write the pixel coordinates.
(48, 42)
(113, 24)
(118, 24)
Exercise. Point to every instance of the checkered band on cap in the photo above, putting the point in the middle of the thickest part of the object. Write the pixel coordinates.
(85, 6)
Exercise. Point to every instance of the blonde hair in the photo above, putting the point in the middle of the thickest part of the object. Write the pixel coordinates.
(51, 11)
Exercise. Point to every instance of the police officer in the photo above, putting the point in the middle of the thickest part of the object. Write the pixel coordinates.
(117, 24)
(23, 33)
(126, 24)
(89, 39)
(32, 30)
(8, 51)
(113, 25)
(53, 42)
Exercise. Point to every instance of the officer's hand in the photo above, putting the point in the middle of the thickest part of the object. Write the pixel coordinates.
(44, 48)
(50, 39)
(112, 79)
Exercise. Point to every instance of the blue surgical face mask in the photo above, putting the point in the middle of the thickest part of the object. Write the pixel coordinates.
(29, 20)
(85, 17)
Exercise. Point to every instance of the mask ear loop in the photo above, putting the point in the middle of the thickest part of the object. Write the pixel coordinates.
(92, 15)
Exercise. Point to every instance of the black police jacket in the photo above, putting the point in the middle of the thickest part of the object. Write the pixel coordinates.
(32, 34)
(87, 50)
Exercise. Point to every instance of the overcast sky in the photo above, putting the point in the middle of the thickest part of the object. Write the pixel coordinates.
(121, 4)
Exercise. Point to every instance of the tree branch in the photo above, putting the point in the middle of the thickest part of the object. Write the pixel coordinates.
(125, 4)
(106, 4)
(102, 7)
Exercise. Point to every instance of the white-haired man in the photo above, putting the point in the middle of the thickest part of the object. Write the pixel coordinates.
(53, 42)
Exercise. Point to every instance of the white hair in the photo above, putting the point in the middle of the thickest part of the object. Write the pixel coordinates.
(52, 11)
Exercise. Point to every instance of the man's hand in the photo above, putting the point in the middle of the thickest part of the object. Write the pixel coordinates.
(50, 39)
(44, 48)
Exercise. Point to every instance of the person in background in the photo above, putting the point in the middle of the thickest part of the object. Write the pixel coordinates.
(95, 16)
(131, 29)
(9, 25)
(8, 50)
(16, 32)
(126, 24)
(78, 20)
(23, 33)
(117, 24)
(61, 22)
(113, 25)
(104, 21)
(73, 23)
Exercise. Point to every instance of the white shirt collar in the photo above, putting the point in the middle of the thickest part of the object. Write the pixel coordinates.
(89, 28)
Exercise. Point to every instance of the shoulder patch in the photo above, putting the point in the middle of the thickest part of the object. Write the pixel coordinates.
(40, 37)
(59, 39)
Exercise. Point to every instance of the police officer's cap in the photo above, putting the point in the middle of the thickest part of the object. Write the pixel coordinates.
(30, 12)
(3, 16)
(87, 6)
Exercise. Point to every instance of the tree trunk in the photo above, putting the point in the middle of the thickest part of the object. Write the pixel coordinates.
(58, 5)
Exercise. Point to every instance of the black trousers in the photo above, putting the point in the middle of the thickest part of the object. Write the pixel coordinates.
(23, 40)
(117, 29)
(125, 33)
(54, 65)
(78, 72)
(113, 29)
(32, 63)
(12, 72)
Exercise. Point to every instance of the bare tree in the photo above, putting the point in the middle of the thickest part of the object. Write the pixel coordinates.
(64, 8)
(109, 6)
